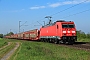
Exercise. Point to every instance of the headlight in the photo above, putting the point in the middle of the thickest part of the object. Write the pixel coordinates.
(73, 31)
(64, 31)
(68, 31)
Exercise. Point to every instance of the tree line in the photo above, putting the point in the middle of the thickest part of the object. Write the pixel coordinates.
(8, 34)
(81, 34)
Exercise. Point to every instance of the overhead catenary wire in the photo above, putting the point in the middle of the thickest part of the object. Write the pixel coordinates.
(69, 7)
(66, 9)
(39, 23)
(24, 23)
(77, 13)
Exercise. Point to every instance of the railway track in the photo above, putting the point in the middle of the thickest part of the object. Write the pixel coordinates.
(79, 45)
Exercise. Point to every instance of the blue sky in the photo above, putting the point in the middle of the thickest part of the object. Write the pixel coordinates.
(13, 11)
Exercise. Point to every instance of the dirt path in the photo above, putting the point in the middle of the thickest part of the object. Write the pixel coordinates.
(5, 46)
(8, 55)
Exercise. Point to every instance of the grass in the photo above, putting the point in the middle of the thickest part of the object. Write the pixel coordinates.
(6, 50)
(46, 51)
(3, 42)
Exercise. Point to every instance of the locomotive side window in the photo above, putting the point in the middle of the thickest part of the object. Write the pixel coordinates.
(38, 32)
(57, 26)
(68, 26)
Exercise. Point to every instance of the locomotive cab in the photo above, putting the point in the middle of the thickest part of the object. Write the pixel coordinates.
(67, 32)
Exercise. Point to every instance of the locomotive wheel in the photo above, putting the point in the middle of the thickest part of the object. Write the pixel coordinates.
(69, 43)
(60, 42)
(56, 41)
(50, 40)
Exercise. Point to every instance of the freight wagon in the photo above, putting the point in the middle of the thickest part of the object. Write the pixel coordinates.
(21, 35)
(28, 35)
(32, 34)
(7, 37)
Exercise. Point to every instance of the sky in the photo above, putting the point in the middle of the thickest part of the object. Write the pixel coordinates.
(32, 13)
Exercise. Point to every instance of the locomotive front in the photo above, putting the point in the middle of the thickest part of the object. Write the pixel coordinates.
(68, 32)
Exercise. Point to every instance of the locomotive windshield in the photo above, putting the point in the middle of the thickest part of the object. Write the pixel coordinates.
(67, 25)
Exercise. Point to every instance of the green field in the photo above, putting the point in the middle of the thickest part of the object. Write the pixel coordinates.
(30, 50)
(46, 51)
(3, 42)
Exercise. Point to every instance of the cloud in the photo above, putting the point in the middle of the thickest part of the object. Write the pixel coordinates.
(57, 4)
(67, 3)
(37, 7)
(54, 5)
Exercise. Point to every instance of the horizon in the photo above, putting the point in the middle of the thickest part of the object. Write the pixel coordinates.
(33, 13)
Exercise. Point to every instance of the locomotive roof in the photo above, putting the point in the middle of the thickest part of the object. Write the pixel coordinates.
(55, 23)
(63, 21)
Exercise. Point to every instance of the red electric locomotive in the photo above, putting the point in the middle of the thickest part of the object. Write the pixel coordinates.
(59, 32)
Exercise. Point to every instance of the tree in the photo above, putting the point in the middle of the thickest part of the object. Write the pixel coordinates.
(88, 35)
(81, 34)
(1, 35)
(8, 34)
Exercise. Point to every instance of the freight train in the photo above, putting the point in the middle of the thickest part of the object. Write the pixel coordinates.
(58, 32)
